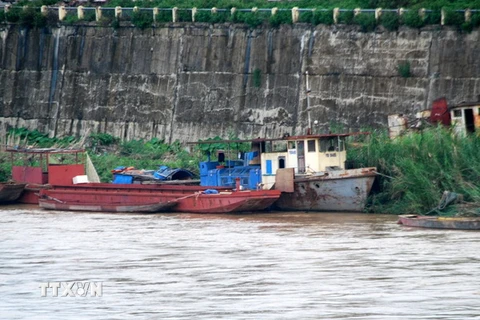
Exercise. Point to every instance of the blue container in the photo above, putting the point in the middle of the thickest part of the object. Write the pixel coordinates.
(122, 179)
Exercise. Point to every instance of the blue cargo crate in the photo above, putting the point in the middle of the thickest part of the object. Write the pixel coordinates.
(122, 179)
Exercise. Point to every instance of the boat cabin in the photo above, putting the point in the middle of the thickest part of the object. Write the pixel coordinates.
(39, 167)
(307, 155)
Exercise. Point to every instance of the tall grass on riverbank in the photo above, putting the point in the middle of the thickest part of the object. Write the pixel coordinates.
(417, 168)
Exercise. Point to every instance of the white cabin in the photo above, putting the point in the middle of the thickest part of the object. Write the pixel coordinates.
(308, 155)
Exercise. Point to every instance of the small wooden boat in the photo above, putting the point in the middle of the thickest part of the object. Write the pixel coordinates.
(436, 222)
(10, 191)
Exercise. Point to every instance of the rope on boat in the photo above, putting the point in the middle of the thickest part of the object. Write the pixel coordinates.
(381, 174)
(447, 198)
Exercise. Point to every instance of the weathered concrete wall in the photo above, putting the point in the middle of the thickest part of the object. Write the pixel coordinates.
(196, 81)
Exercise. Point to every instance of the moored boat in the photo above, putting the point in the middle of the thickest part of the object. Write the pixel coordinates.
(10, 191)
(310, 170)
(437, 222)
(154, 198)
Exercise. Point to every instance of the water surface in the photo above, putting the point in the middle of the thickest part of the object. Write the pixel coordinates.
(264, 266)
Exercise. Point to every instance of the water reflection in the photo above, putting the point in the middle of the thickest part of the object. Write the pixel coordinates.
(267, 266)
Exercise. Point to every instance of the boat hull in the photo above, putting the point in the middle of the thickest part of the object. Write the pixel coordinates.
(51, 204)
(346, 190)
(227, 202)
(433, 222)
(139, 198)
(10, 192)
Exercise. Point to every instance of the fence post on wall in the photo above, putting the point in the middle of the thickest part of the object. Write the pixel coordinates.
(118, 12)
(442, 19)
(421, 13)
(194, 13)
(468, 15)
(294, 14)
(98, 13)
(62, 13)
(43, 10)
(378, 14)
(80, 13)
(174, 14)
(336, 14)
(155, 14)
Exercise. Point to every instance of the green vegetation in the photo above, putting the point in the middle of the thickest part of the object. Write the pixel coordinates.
(414, 169)
(404, 69)
(108, 152)
(313, 12)
(417, 168)
(257, 78)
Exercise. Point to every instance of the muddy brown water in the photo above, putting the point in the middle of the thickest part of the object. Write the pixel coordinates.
(264, 266)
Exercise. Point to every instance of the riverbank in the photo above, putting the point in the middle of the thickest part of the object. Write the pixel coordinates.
(414, 170)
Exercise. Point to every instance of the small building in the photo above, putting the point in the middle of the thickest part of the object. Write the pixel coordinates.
(466, 117)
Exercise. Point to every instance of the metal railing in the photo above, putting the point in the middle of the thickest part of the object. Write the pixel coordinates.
(192, 14)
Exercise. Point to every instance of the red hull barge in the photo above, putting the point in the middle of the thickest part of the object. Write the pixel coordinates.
(153, 198)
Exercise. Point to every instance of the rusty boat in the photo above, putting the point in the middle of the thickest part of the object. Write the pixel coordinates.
(311, 171)
(150, 198)
(438, 222)
(59, 179)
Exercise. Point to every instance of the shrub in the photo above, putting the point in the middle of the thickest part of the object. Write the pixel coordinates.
(323, 17)
(13, 15)
(253, 19)
(164, 16)
(257, 78)
(282, 17)
(390, 21)
(412, 19)
(102, 139)
(433, 17)
(306, 16)
(454, 18)
(70, 19)
(404, 69)
(346, 17)
(142, 19)
(366, 21)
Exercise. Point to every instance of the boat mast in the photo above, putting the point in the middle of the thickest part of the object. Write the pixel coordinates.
(307, 88)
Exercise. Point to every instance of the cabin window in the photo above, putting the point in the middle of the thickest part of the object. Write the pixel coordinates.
(268, 146)
(281, 162)
(457, 113)
(311, 145)
(280, 146)
(327, 145)
(291, 145)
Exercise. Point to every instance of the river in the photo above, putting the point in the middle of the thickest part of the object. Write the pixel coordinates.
(263, 266)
